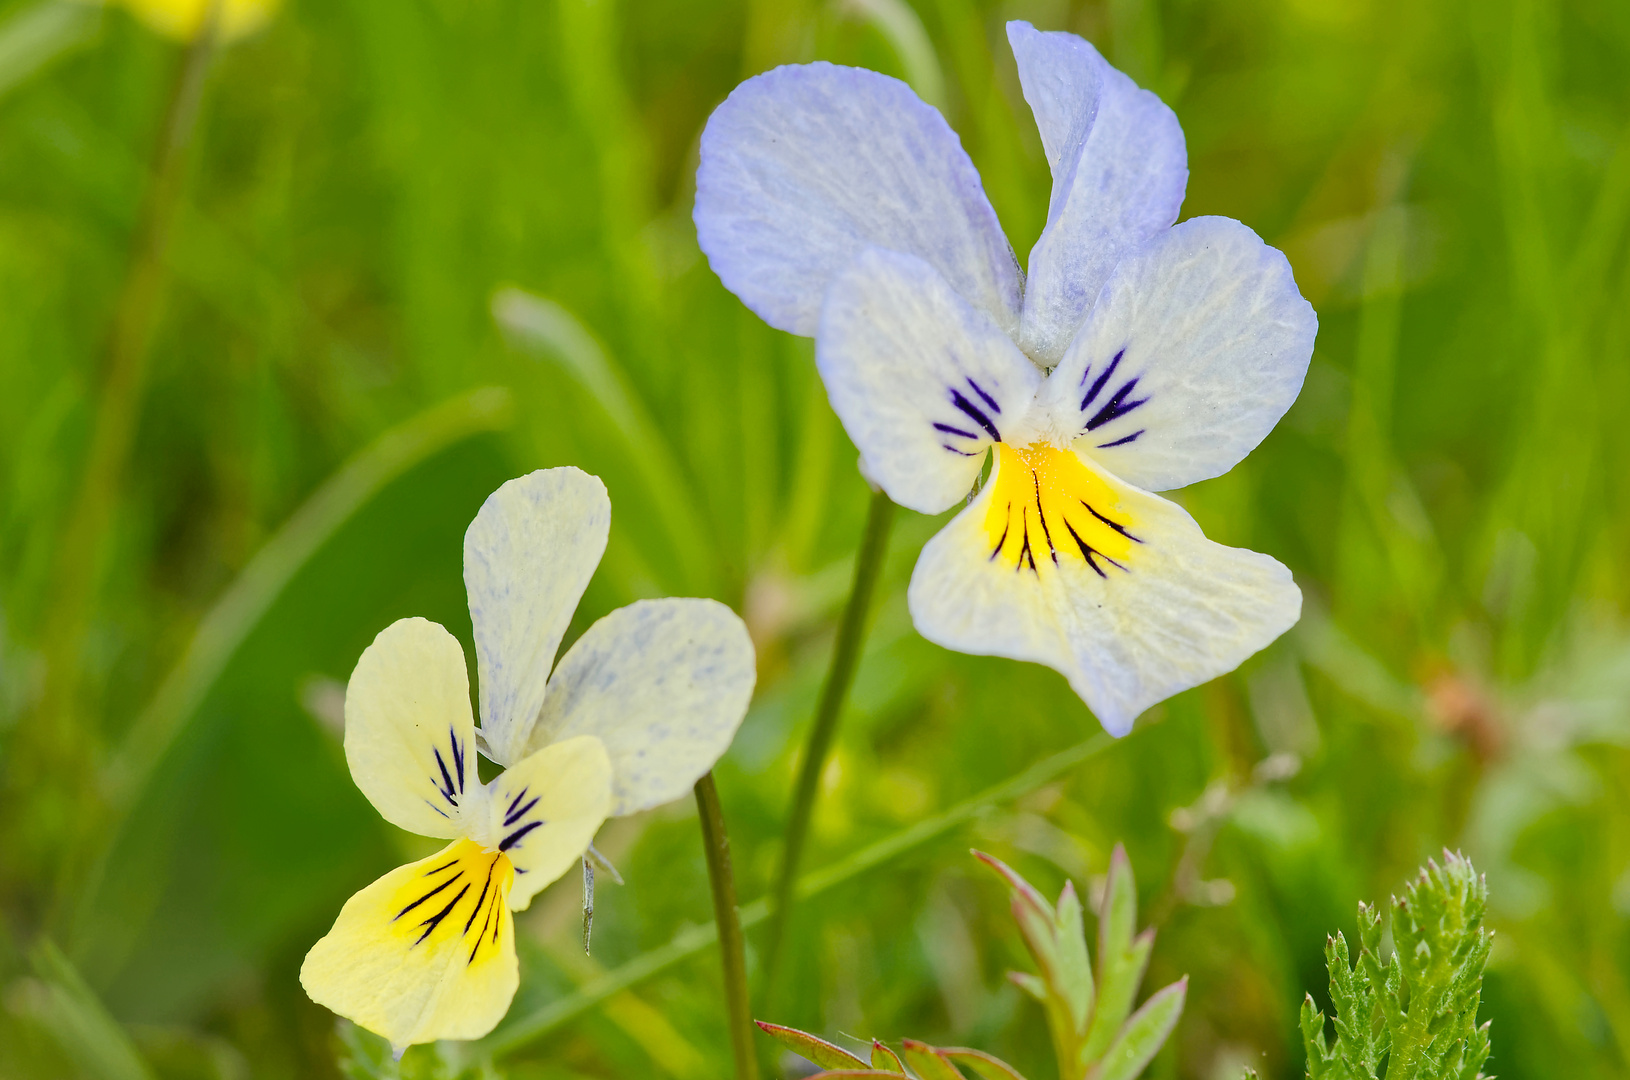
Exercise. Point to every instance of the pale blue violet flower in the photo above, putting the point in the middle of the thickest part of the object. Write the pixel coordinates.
(1138, 356)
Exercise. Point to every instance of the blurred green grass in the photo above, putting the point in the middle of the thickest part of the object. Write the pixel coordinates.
(1452, 184)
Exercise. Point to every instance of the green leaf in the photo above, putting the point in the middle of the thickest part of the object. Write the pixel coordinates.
(1121, 958)
(1075, 982)
(1143, 1036)
(1030, 984)
(1360, 1025)
(986, 1065)
(1119, 979)
(1320, 1058)
(1417, 1010)
(884, 1058)
(817, 1050)
(1025, 891)
(929, 1062)
(1118, 915)
(1034, 916)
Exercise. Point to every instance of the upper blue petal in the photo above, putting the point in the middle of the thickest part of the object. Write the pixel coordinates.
(804, 167)
(1120, 168)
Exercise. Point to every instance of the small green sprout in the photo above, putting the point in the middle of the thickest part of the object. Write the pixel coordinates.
(1096, 1035)
(1412, 1016)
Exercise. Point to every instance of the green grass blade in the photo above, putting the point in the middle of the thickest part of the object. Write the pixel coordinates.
(79, 1023)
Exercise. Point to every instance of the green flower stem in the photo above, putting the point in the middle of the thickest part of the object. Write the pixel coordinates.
(523, 1031)
(732, 952)
(839, 676)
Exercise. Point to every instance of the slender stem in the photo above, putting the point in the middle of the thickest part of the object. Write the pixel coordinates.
(732, 951)
(845, 657)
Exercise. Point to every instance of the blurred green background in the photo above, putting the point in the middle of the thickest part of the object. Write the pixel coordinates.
(389, 205)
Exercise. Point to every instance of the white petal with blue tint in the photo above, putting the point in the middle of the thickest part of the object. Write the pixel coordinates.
(805, 166)
(1112, 586)
(528, 556)
(1114, 188)
(409, 739)
(922, 381)
(664, 684)
(544, 810)
(1197, 347)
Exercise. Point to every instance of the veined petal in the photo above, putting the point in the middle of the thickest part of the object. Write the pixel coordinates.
(1061, 76)
(805, 166)
(1120, 168)
(664, 684)
(409, 738)
(544, 810)
(922, 381)
(1059, 562)
(426, 952)
(1196, 348)
(528, 556)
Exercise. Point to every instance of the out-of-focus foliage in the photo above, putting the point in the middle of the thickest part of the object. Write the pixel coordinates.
(1417, 1009)
(368, 183)
(186, 19)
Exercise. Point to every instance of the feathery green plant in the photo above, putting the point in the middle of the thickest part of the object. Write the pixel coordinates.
(1412, 1016)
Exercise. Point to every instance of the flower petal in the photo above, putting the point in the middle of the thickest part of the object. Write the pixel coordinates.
(1120, 168)
(804, 166)
(409, 738)
(528, 556)
(922, 381)
(1058, 562)
(426, 952)
(545, 809)
(1194, 351)
(664, 684)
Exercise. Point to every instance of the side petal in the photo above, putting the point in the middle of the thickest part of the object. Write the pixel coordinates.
(409, 739)
(545, 810)
(804, 166)
(426, 952)
(922, 381)
(528, 556)
(1120, 168)
(664, 684)
(1196, 348)
(1060, 563)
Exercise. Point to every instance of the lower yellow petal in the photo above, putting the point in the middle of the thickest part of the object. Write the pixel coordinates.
(426, 952)
(1059, 562)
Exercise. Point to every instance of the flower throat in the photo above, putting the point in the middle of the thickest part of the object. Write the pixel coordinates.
(1047, 507)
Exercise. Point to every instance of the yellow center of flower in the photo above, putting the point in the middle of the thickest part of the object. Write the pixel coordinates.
(1046, 507)
(461, 893)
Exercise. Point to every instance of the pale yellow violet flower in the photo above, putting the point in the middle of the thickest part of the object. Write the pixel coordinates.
(183, 19)
(636, 711)
(1136, 356)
